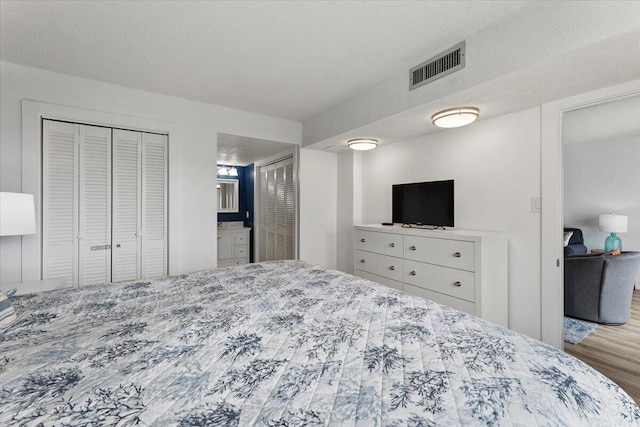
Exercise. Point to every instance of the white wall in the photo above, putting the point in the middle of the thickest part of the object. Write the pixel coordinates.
(603, 177)
(345, 211)
(191, 167)
(496, 167)
(318, 176)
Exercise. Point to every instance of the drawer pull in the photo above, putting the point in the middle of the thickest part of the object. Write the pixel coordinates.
(362, 261)
(362, 240)
(413, 273)
(457, 284)
(412, 248)
(457, 255)
(393, 245)
(392, 268)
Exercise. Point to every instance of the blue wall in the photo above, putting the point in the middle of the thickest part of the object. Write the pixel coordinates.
(245, 186)
(245, 194)
(249, 178)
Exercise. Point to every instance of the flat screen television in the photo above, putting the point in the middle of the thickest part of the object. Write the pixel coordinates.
(424, 203)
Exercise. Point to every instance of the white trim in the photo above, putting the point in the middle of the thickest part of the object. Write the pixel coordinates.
(552, 273)
(32, 114)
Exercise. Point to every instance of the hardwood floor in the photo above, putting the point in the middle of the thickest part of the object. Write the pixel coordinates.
(615, 351)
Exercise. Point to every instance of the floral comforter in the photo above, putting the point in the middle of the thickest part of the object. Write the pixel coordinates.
(283, 344)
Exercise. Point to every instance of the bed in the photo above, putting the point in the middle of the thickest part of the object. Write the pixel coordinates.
(283, 344)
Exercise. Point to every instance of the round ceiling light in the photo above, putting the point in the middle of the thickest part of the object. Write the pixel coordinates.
(362, 144)
(455, 117)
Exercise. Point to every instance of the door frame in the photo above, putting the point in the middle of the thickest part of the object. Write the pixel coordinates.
(294, 152)
(551, 256)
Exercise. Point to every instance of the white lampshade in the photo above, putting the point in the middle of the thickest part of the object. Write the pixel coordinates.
(613, 223)
(17, 214)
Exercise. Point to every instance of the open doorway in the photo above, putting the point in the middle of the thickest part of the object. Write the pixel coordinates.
(552, 264)
(242, 204)
(601, 195)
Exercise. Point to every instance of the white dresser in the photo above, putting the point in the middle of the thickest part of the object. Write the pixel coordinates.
(464, 269)
(233, 246)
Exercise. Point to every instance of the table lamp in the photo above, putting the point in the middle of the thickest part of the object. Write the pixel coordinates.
(17, 214)
(613, 224)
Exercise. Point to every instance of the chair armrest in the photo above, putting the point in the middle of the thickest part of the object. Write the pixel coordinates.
(575, 249)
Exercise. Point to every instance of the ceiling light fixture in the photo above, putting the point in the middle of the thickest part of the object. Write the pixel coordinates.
(455, 117)
(362, 144)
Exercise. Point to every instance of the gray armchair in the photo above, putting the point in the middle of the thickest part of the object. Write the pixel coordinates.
(599, 287)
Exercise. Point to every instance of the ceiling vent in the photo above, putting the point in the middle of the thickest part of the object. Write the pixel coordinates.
(439, 66)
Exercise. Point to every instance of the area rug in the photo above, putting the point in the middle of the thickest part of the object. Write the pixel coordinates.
(576, 330)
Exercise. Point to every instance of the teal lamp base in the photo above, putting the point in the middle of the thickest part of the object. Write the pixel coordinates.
(612, 243)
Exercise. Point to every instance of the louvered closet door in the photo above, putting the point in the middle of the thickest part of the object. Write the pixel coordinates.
(277, 211)
(60, 201)
(154, 205)
(127, 205)
(95, 205)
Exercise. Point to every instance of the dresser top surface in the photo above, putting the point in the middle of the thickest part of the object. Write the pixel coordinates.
(454, 234)
(233, 230)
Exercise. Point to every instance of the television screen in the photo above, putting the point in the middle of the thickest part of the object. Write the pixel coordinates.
(424, 203)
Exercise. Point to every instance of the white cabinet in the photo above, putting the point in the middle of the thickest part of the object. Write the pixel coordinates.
(464, 269)
(233, 246)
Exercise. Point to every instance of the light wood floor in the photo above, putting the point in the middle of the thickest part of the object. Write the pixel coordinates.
(615, 351)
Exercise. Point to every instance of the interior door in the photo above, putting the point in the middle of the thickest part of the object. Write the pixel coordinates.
(127, 205)
(276, 220)
(60, 153)
(95, 205)
(154, 205)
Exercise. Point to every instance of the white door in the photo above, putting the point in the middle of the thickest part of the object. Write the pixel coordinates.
(154, 205)
(95, 205)
(276, 221)
(60, 146)
(127, 205)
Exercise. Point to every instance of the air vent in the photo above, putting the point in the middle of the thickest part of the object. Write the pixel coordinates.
(439, 66)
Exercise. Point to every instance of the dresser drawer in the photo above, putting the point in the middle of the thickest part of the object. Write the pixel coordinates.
(381, 265)
(450, 253)
(379, 279)
(381, 243)
(444, 280)
(458, 304)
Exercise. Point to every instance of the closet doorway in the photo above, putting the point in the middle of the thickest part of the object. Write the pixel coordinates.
(104, 203)
(271, 189)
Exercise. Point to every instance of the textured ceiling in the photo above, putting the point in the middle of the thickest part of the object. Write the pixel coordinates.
(237, 150)
(289, 59)
(603, 122)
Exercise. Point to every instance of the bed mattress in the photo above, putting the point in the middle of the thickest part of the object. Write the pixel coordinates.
(283, 344)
